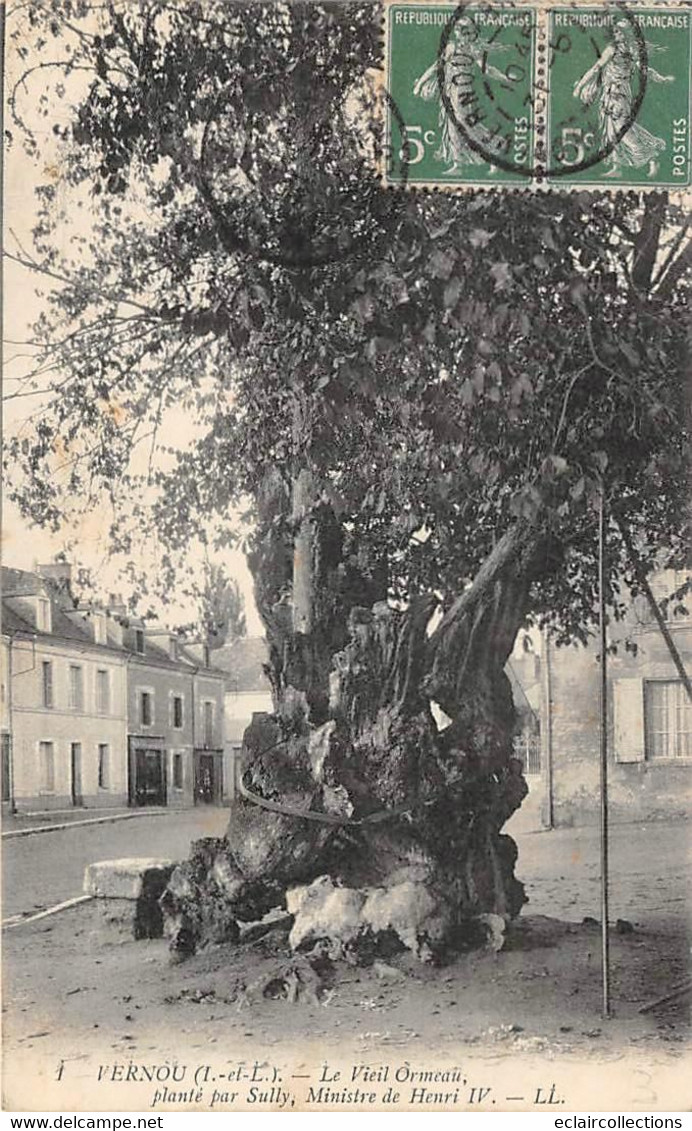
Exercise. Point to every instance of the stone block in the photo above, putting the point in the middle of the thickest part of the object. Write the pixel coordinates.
(128, 892)
(126, 878)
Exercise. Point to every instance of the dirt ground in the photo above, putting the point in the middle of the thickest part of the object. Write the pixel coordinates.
(82, 1009)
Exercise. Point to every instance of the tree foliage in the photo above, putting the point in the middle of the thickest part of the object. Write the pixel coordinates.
(220, 604)
(447, 367)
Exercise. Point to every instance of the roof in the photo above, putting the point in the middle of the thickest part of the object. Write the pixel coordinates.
(13, 622)
(243, 661)
(18, 583)
(155, 654)
(21, 583)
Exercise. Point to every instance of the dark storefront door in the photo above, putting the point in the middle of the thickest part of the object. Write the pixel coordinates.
(6, 768)
(76, 773)
(205, 791)
(150, 780)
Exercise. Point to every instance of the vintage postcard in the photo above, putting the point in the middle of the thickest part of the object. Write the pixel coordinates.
(346, 641)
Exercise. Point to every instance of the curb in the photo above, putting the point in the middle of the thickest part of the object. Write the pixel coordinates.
(90, 821)
(20, 920)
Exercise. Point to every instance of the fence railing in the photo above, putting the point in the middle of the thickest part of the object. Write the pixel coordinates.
(527, 747)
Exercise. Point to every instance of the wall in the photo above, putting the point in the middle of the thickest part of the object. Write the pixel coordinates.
(33, 723)
(164, 683)
(5, 725)
(4, 685)
(239, 707)
(208, 687)
(638, 788)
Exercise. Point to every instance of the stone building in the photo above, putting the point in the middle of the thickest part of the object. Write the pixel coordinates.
(175, 719)
(649, 719)
(247, 692)
(64, 710)
(99, 710)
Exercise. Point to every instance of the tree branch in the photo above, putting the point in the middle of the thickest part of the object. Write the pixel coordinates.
(643, 582)
(647, 241)
(113, 296)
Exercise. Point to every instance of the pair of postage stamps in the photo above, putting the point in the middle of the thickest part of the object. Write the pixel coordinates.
(533, 94)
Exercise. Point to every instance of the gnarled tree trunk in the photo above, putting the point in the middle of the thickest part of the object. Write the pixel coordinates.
(375, 827)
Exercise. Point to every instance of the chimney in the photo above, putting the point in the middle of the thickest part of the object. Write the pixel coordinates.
(116, 605)
(115, 629)
(59, 574)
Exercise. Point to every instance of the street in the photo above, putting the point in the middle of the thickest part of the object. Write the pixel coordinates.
(76, 999)
(561, 869)
(46, 868)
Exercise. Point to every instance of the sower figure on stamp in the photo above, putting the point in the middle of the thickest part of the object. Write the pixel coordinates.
(464, 54)
(610, 81)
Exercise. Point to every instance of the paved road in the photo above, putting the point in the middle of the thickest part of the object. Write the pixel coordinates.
(42, 870)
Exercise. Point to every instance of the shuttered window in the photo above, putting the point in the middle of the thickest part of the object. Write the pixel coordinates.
(47, 766)
(145, 709)
(208, 722)
(177, 771)
(104, 765)
(628, 711)
(103, 692)
(76, 688)
(177, 711)
(47, 678)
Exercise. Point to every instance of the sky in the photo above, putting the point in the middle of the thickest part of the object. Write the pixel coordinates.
(86, 544)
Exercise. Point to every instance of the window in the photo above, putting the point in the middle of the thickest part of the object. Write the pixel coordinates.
(104, 767)
(669, 589)
(205, 655)
(43, 614)
(145, 708)
(47, 766)
(76, 688)
(208, 709)
(177, 711)
(103, 692)
(174, 648)
(100, 630)
(47, 683)
(668, 720)
(177, 771)
(139, 641)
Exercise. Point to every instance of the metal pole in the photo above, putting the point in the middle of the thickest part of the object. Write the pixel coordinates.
(605, 953)
(547, 731)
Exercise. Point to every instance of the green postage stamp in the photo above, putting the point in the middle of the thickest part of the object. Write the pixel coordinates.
(528, 94)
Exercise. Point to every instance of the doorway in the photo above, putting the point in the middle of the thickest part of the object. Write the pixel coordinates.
(150, 777)
(76, 774)
(205, 779)
(6, 768)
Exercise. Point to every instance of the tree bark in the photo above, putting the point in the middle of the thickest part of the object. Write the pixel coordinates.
(303, 552)
(372, 798)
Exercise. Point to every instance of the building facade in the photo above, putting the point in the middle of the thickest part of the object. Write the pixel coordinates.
(175, 721)
(5, 725)
(64, 701)
(649, 719)
(247, 692)
(99, 711)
